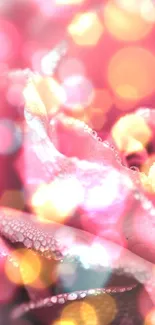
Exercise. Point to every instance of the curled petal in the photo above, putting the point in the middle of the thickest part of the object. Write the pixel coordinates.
(72, 151)
(59, 242)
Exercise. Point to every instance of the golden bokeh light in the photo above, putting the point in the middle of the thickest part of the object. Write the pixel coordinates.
(133, 6)
(64, 322)
(131, 133)
(94, 310)
(86, 29)
(58, 200)
(150, 318)
(12, 269)
(48, 274)
(124, 24)
(23, 267)
(30, 267)
(86, 313)
(147, 174)
(147, 164)
(145, 182)
(43, 95)
(131, 73)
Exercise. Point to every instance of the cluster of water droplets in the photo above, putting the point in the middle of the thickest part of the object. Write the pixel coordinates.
(68, 297)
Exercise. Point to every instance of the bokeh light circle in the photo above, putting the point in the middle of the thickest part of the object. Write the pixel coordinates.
(131, 133)
(86, 313)
(148, 10)
(79, 92)
(145, 8)
(86, 29)
(150, 318)
(124, 24)
(132, 5)
(57, 200)
(64, 322)
(131, 73)
(89, 311)
(23, 267)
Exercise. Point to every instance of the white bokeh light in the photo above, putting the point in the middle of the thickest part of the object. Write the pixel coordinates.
(79, 91)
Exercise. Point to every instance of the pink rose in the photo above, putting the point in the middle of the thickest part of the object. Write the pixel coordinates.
(89, 236)
(76, 222)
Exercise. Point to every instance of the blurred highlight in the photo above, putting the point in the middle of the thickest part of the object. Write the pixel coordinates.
(86, 29)
(47, 204)
(124, 24)
(131, 73)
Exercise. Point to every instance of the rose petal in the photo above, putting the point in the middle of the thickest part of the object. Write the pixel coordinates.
(74, 138)
(64, 242)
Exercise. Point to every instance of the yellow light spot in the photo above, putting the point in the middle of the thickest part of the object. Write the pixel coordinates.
(64, 322)
(86, 29)
(130, 6)
(150, 318)
(43, 95)
(30, 267)
(12, 269)
(133, 145)
(148, 163)
(131, 73)
(23, 267)
(147, 174)
(145, 182)
(151, 176)
(95, 310)
(86, 313)
(127, 91)
(131, 133)
(57, 200)
(123, 24)
(48, 274)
